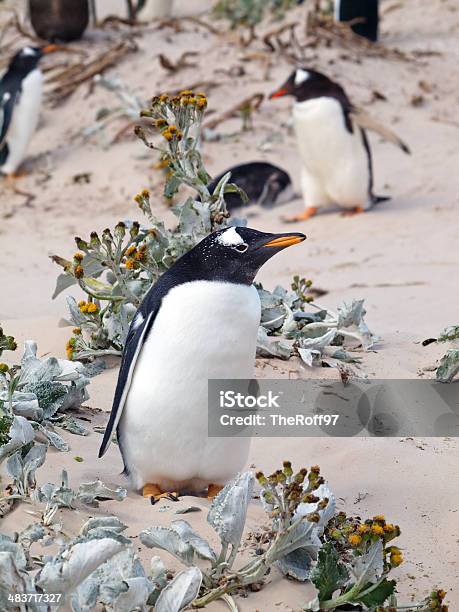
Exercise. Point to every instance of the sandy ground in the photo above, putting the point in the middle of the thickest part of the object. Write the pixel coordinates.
(402, 257)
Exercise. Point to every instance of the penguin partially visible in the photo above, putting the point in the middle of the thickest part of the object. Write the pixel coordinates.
(364, 14)
(20, 103)
(59, 20)
(265, 184)
(198, 322)
(155, 9)
(337, 166)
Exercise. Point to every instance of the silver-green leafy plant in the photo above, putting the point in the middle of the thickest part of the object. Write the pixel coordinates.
(116, 269)
(297, 511)
(41, 390)
(449, 364)
(62, 496)
(249, 13)
(354, 564)
(316, 334)
(347, 559)
(7, 343)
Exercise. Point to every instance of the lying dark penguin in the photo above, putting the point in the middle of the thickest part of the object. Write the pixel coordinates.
(264, 183)
(59, 20)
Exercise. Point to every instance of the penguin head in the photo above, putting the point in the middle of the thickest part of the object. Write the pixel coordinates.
(27, 58)
(235, 254)
(305, 84)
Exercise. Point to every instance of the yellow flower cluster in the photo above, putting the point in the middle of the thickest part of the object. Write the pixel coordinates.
(135, 255)
(436, 601)
(4, 368)
(88, 307)
(185, 98)
(69, 348)
(357, 533)
(172, 132)
(354, 539)
(377, 529)
(163, 163)
(396, 557)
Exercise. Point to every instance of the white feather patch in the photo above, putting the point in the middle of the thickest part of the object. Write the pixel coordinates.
(138, 321)
(28, 51)
(301, 76)
(230, 237)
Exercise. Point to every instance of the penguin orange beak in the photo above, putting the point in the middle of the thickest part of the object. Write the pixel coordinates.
(279, 93)
(285, 240)
(50, 49)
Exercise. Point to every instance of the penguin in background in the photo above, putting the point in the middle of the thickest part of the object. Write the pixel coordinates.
(198, 322)
(264, 184)
(364, 12)
(21, 89)
(337, 166)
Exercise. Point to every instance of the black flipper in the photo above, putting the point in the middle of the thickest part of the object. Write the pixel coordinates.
(138, 332)
(7, 102)
(376, 199)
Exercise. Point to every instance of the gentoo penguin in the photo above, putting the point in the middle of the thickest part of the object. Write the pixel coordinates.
(59, 20)
(264, 184)
(198, 322)
(364, 14)
(336, 158)
(20, 102)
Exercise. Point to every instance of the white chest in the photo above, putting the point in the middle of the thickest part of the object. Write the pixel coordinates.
(335, 162)
(24, 120)
(203, 330)
(209, 328)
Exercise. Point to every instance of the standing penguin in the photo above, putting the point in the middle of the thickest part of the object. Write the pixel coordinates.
(198, 322)
(20, 102)
(334, 148)
(363, 15)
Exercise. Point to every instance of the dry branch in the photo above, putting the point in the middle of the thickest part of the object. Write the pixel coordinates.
(66, 82)
(176, 24)
(324, 29)
(248, 105)
(180, 64)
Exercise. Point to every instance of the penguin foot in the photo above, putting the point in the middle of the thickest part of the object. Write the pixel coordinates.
(306, 214)
(213, 490)
(155, 493)
(353, 211)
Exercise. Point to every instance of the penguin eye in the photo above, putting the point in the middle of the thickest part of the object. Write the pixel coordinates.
(241, 248)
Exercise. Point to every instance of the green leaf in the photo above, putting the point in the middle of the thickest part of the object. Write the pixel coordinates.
(63, 282)
(233, 188)
(449, 334)
(378, 595)
(172, 186)
(98, 287)
(449, 366)
(329, 574)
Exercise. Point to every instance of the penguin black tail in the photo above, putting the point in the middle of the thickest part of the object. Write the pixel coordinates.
(376, 199)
